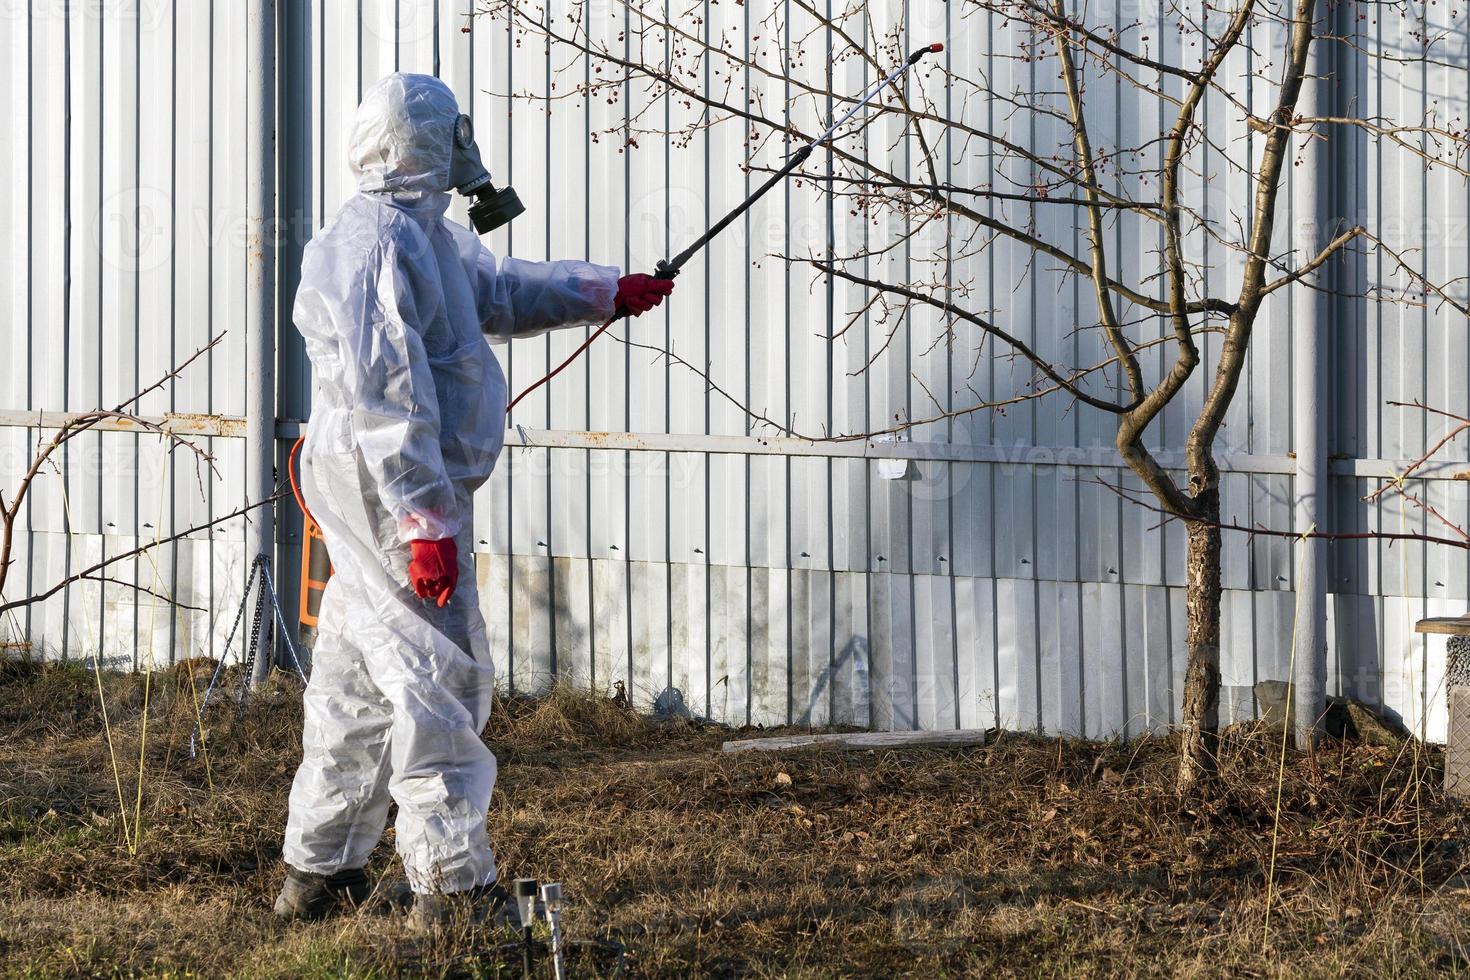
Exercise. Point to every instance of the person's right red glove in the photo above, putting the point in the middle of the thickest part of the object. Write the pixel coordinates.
(640, 293)
(433, 569)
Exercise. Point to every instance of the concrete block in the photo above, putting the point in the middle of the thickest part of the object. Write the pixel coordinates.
(1457, 748)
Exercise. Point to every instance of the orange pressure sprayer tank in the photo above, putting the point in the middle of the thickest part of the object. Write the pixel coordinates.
(316, 564)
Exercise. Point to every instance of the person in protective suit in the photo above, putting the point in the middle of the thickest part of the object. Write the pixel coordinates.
(407, 421)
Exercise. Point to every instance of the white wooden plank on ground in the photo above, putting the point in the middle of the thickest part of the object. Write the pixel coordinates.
(860, 740)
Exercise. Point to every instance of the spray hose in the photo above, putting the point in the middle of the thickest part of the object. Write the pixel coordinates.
(669, 268)
(291, 466)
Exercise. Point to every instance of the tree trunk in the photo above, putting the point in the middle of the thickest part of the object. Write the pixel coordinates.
(1201, 721)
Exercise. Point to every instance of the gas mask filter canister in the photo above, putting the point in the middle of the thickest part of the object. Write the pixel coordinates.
(491, 208)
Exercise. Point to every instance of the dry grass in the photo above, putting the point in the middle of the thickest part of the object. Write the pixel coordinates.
(1029, 857)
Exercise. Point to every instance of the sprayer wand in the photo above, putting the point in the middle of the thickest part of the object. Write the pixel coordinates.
(669, 268)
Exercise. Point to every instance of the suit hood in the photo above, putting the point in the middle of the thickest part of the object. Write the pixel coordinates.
(403, 137)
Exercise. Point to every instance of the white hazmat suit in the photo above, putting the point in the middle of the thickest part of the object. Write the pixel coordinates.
(407, 421)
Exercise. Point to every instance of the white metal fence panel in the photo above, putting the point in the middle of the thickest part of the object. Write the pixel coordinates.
(124, 254)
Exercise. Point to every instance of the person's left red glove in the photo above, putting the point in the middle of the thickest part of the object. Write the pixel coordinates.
(433, 569)
(640, 293)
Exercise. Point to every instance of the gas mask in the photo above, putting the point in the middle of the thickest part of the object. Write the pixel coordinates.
(491, 208)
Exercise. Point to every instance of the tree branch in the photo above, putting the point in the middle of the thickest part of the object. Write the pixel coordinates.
(1278, 533)
(1015, 343)
(91, 570)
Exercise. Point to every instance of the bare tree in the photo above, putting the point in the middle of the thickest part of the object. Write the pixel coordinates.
(1050, 146)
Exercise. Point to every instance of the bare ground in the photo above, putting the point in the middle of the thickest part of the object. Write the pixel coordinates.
(1028, 857)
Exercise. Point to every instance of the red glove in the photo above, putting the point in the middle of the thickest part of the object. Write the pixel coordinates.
(433, 571)
(639, 293)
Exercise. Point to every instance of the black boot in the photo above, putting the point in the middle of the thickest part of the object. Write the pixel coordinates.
(312, 896)
(435, 913)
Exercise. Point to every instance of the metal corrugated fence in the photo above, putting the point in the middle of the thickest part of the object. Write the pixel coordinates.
(122, 150)
(763, 580)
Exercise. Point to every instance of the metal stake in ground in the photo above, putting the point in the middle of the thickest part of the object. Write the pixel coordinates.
(551, 903)
(526, 906)
(669, 268)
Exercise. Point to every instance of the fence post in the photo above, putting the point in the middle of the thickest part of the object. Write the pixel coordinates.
(260, 304)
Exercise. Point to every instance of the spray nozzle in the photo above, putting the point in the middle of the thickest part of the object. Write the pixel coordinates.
(934, 48)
